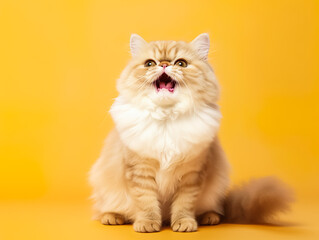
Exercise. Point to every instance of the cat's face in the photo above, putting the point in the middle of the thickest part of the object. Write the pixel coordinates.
(169, 74)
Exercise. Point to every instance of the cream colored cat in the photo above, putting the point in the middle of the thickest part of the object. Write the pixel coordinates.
(163, 161)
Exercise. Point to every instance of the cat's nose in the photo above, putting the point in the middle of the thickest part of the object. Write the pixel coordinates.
(164, 64)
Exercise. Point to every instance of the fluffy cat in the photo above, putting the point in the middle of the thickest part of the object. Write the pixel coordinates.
(163, 162)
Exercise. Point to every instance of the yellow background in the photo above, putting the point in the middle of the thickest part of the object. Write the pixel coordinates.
(59, 61)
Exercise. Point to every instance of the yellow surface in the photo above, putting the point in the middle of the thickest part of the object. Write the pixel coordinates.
(39, 220)
(59, 61)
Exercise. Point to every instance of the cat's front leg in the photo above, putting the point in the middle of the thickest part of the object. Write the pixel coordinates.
(141, 174)
(183, 205)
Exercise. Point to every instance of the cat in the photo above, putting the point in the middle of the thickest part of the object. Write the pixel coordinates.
(163, 162)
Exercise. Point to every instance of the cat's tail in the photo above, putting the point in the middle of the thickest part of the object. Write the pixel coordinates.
(257, 201)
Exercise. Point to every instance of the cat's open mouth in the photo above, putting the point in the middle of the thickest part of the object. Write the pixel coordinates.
(165, 82)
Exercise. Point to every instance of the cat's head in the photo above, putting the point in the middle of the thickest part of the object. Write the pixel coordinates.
(169, 74)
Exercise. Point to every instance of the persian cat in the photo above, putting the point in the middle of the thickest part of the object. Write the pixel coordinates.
(163, 163)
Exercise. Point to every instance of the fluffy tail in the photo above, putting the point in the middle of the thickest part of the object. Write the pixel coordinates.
(257, 201)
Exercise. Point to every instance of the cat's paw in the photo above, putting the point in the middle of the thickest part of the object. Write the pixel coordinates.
(112, 219)
(184, 225)
(147, 226)
(209, 218)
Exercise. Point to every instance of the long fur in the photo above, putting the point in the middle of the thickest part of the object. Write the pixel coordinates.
(257, 201)
(163, 161)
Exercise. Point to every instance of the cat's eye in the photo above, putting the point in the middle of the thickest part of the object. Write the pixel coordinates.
(149, 63)
(181, 63)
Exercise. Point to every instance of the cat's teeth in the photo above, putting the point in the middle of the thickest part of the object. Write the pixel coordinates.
(165, 82)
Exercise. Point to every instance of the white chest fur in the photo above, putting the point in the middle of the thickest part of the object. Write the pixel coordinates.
(165, 139)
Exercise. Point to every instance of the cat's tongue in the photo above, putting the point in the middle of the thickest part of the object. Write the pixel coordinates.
(165, 82)
(167, 86)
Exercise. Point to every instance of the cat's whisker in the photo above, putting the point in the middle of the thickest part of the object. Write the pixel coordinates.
(190, 95)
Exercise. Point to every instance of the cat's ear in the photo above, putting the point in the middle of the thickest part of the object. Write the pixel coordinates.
(136, 43)
(201, 44)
